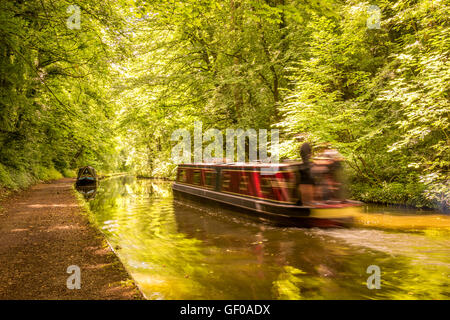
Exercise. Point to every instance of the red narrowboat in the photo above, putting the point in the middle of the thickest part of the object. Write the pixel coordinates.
(269, 190)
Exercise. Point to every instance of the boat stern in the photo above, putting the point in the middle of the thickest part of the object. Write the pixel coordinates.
(335, 216)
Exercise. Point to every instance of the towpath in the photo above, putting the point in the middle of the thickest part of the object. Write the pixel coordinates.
(42, 232)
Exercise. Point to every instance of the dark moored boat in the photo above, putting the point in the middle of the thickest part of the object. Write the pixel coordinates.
(263, 189)
(86, 176)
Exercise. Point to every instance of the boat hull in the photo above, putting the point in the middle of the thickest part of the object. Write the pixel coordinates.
(281, 214)
(86, 181)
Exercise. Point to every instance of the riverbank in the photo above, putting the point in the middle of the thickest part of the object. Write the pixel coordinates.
(396, 194)
(42, 232)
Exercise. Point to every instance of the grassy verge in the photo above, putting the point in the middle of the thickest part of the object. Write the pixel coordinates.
(12, 179)
(16, 179)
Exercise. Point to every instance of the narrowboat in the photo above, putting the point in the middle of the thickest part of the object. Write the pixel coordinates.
(267, 190)
(86, 176)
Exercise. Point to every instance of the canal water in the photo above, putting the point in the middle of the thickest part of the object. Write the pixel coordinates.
(176, 250)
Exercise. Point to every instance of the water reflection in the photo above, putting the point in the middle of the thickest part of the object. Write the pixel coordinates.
(179, 251)
(88, 191)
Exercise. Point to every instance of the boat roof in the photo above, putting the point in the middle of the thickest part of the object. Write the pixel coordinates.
(243, 164)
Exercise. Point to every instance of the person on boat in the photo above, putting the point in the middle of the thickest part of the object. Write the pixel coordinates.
(306, 186)
(326, 172)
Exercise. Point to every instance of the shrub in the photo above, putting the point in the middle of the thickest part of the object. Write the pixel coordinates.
(5, 178)
(410, 194)
(43, 173)
(68, 173)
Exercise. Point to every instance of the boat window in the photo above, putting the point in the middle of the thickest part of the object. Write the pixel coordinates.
(226, 181)
(210, 179)
(181, 175)
(243, 184)
(266, 187)
(197, 177)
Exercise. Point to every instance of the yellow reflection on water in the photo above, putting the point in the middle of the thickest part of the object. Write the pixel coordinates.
(402, 222)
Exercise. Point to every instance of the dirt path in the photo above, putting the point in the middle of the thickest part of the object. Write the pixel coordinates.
(42, 232)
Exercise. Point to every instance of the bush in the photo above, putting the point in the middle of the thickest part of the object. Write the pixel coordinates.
(45, 174)
(14, 179)
(18, 179)
(5, 178)
(410, 194)
(22, 179)
(67, 173)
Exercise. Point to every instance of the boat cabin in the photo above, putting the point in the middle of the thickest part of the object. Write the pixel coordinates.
(270, 182)
(262, 181)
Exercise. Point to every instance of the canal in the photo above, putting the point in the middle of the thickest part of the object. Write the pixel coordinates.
(179, 251)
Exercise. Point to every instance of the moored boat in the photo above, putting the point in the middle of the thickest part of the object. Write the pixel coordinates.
(86, 176)
(269, 190)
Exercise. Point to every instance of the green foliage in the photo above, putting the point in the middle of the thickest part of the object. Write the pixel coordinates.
(69, 173)
(111, 93)
(412, 194)
(14, 178)
(56, 111)
(48, 174)
(5, 177)
(380, 97)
